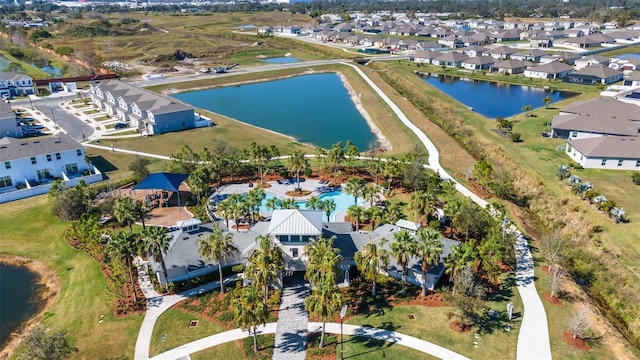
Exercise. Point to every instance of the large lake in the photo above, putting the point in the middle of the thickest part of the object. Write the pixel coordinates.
(315, 109)
(493, 99)
(19, 299)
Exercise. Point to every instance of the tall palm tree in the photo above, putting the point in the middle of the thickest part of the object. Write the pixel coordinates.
(140, 210)
(272, 203)
(421, 204)
(458, 259)
(451, 210)
(393, 212)
(254, 198)
(324, 301)
(375, 214)
(258, 154)
(401, 250)
(323, 262)
(313, 203)
(546, 101)
(335, 157)
(289, 204)
(225, 210)
(264, 264)
(371, 260)
(124, 211)
(249, 312)
(355, 187)
(122, 246)
(376, 168)
(296, 163)
(217, 247)
(328, 206)
(428, 248)
(156, 244)
(358, 214)
(321, 156)
(370, 194)
(352, 152)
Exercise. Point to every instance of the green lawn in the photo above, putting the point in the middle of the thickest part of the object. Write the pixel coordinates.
(29, 230)
(116, 165)
(174, 324)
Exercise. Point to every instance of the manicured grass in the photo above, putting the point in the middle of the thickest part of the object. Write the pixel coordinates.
(365, 348)
(29, 230)
(116, 165)
(174, 324)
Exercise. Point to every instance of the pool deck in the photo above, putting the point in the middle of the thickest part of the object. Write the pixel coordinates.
(280, 190)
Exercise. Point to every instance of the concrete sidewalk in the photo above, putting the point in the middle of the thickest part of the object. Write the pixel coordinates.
(291, 332)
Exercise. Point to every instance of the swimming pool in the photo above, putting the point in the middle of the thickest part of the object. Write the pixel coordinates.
(340, 198)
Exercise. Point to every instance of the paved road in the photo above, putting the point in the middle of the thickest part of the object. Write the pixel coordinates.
(291, 332)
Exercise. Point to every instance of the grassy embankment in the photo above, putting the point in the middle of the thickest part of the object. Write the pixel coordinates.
(532, 163)
(30, 230)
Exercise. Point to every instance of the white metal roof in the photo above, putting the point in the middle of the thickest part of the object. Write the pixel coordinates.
(406, 224)
(296, 222)
(190, 222)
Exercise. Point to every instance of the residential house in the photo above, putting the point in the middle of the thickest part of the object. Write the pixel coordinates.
(147, 111)
(591, 60)
(29, 167)
(478, 63)
(425, 57)
(502, 52)
(607, 152)
(564, 56)
(473, 51)
(14, 84)
(553, 70)
(529, 55)
(9, 122)
(450, 59)
(595, 118)
(589, 41)
(541, 41)
(632, 80)
(510, 67)
(451, 41)
(595, 74)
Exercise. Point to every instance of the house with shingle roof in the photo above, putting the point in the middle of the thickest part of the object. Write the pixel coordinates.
(591, 60)
(14, 84)
(425, 57)
(450, 59)
(529, 55)
(510, 67)
(147, 111)
(604, 116)
(554, 70)
(28, 167)
(478, 63)
(594, 74)
(607, 152)
(502, 52)
(9, 123)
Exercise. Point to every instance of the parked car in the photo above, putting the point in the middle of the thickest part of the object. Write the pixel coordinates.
(120, 125)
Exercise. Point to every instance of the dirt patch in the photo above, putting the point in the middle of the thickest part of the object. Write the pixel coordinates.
(458, 327)
(431, 300)
(50, 284)
(577, 342)
(552, 300)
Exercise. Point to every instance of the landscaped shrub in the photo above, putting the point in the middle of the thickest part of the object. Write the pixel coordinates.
(238, 268)
(226, 317)
(308, 172)
(515, 137)
(636, 178)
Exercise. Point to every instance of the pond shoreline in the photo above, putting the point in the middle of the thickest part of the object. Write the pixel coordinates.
(50, 287)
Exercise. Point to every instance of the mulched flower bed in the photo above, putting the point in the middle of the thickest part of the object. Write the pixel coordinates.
(552, 300)
(578, 343)
(457, 327)
(294, 193)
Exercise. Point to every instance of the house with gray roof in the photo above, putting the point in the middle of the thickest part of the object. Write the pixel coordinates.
(478, 63)
(425, 57)
(594, 74)
(606, 152)
(510, 67)
(591, 60)
(502, 52)
(595, 118)
(450, 59)
(553, 70)
(29, 167)
(147, 111)
(529, 55)
(291, 230)
(9, 122)
(14, 84)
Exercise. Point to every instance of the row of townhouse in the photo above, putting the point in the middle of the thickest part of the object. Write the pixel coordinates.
(601, 133)
(147, 111)
(14, 84)
(532, 63)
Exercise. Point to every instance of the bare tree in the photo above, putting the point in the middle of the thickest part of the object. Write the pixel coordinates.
(552, 246)
(556, 280)
(578, 323)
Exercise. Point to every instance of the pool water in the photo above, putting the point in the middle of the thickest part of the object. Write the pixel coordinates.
(341, 199)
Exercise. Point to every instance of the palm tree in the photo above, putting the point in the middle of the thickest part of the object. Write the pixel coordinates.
(352, 152)
(122, 246)
(321, 155)
(225, 210)
(272, 203)
(356, 213)
(297, 163)
(526, 110)
(376, 168)
(253, 199)
(370, 194)
(313, 203)
(250, 312)
(355, 186)
(323, 262)
(323, 302)
(401, 250)
(124, 211)
(140, 210)
(421, 204)
(391, 170)
(156, 243)
(328, 206)
(428, 248)
(546, 101)
(451, 209)
(258, 154)
(393, 212)
(371, 260)
(217, 247)
(375, 214)
(335, 157)
(459, 259)
(289, 204)
(264, 264)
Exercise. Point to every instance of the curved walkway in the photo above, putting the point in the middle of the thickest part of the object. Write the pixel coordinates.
(533, 338)
(331, 328)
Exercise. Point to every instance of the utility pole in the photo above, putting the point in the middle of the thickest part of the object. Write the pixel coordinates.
(53, 117)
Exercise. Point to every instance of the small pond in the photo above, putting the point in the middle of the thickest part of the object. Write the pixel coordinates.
(628, 56)
(315, 109)
(19, 299)
(51, 70)
(492, 99)
(281, 60)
